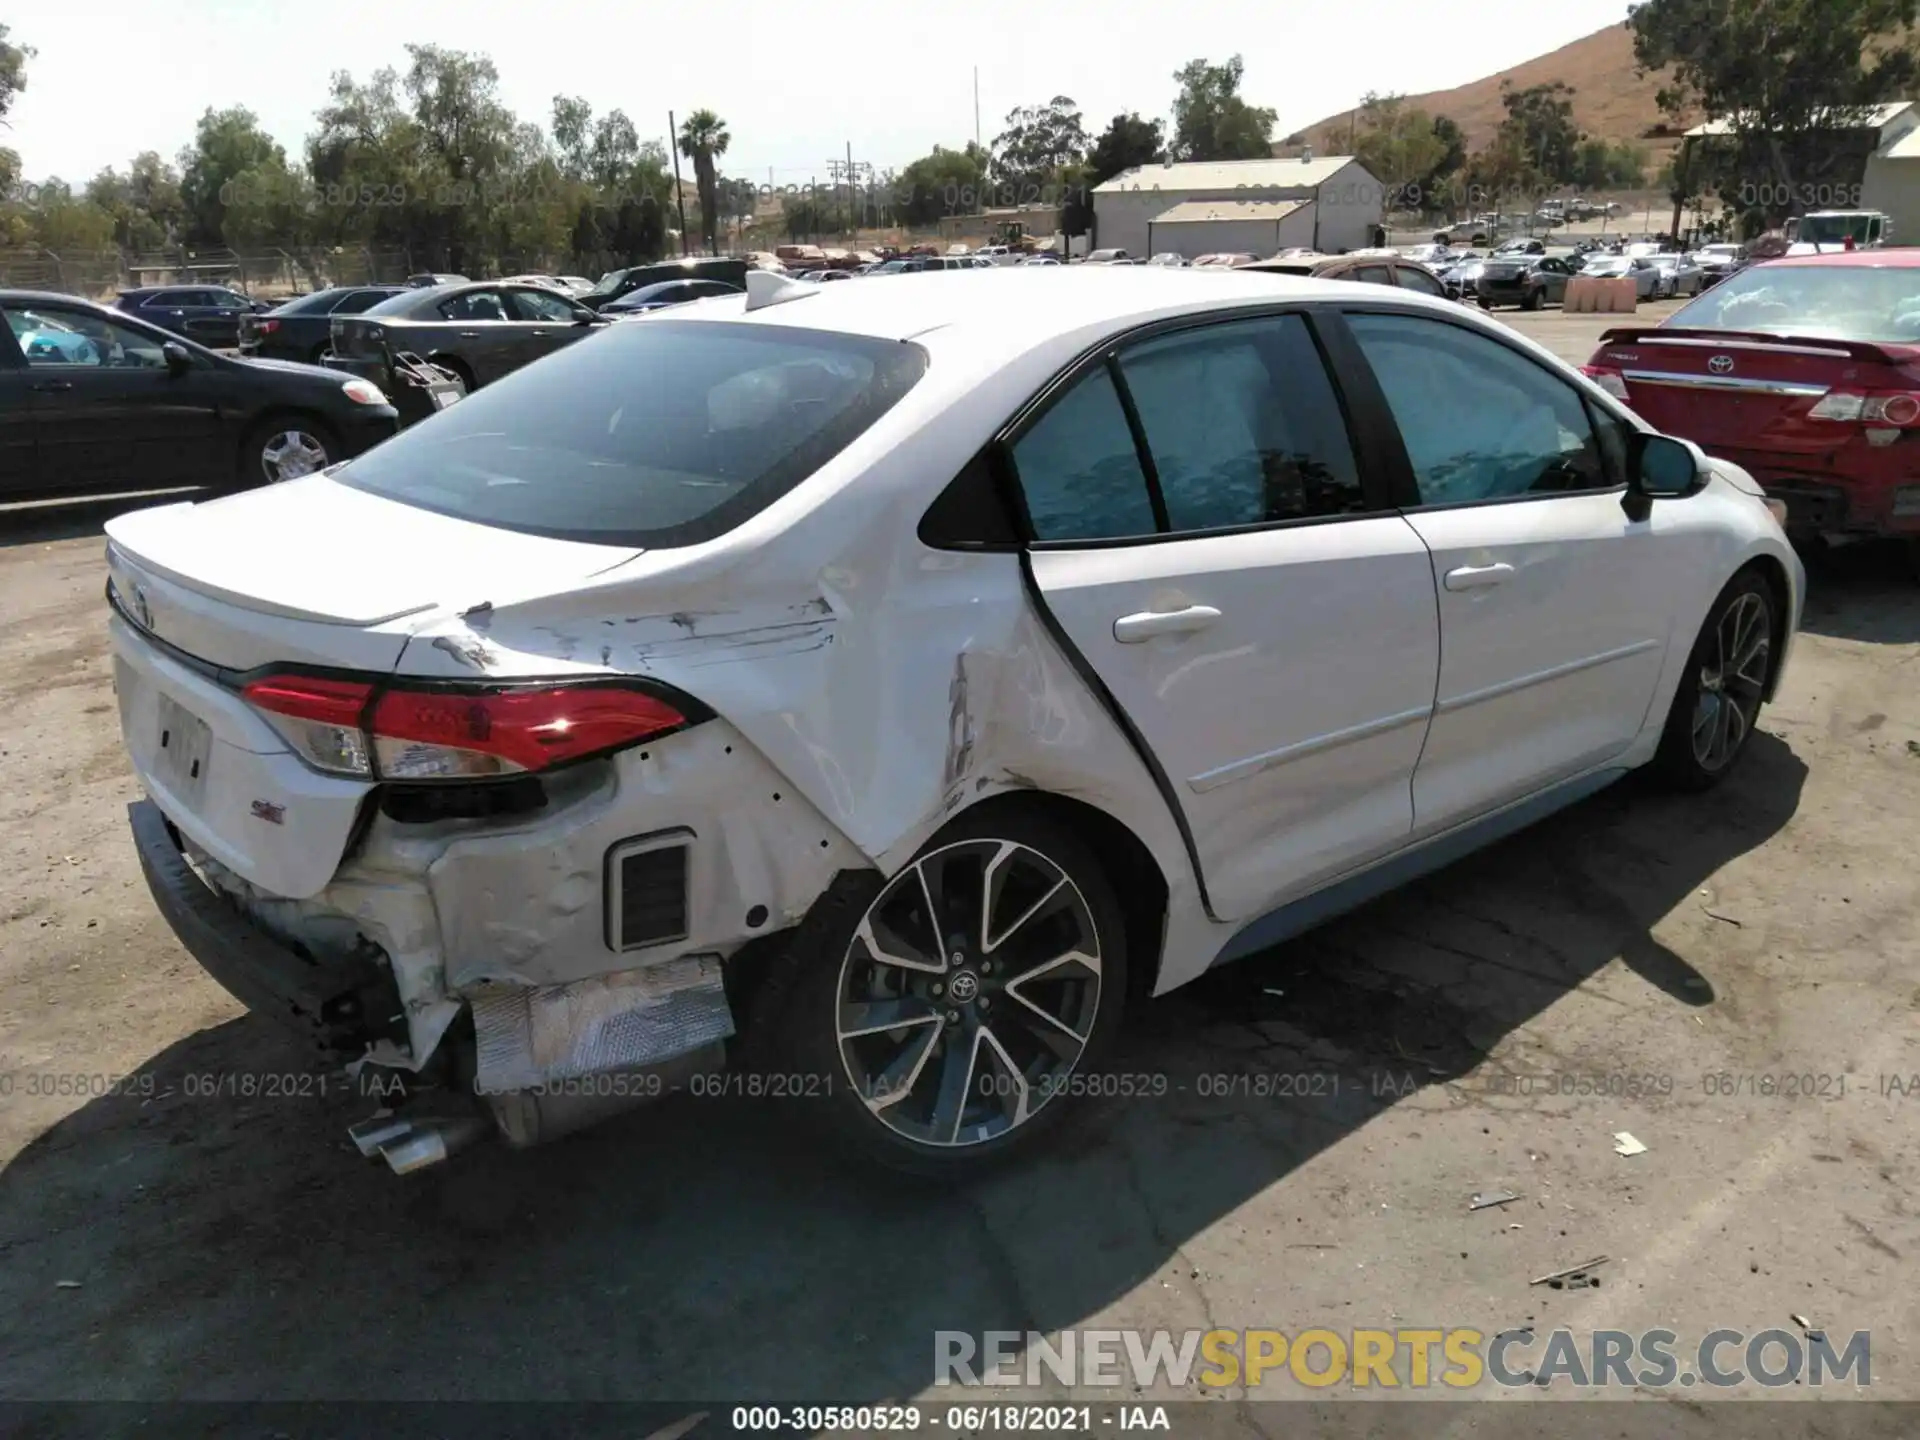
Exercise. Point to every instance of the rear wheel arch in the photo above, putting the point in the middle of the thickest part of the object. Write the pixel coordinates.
(1129, 866)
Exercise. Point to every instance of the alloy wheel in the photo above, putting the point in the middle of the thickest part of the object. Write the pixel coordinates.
(968, 993)
(291, 454)
(1731, 682)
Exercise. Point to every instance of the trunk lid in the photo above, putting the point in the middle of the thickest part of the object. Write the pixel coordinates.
(314, 572)
(1740, 390)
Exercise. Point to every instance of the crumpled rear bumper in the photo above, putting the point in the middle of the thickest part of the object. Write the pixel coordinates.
(325, 1007)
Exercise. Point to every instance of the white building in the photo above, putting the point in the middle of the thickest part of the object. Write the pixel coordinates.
(1329, 204)
(1890, 183)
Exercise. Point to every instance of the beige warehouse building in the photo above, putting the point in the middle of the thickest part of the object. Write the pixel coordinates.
(1197, 208)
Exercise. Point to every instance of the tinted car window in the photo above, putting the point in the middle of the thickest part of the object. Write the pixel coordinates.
(1372, 275)
(361, 300)
(1243, 425)
(320, 302)
(1412, 279)
(650, 435)
(54, 337)
(1480, 421)
(475, 305)
(538, 305)
(1079, 470)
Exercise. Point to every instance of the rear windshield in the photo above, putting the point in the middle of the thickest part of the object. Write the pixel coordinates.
(316, 303)
(653, 433)
(1844, 302)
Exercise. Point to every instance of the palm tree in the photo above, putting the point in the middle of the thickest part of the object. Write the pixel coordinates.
(703, 139)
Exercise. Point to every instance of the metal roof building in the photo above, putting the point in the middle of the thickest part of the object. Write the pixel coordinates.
(1331, 203)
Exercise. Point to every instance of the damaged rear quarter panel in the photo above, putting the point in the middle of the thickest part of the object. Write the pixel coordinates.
(888, 685)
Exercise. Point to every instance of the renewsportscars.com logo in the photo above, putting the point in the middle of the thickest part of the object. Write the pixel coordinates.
(1402, 1358)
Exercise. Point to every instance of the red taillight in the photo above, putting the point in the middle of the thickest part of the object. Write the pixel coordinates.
(1898, 409)
(266, 327)
(457, 732)
(426, 734)
(1608, 379)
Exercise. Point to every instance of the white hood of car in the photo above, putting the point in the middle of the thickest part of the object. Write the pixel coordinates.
(314, 549)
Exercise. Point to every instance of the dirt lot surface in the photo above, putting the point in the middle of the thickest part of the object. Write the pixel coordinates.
(1737, 975)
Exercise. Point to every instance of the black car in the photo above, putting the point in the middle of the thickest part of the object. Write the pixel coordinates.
(207, 313)
(480, 331)
(618, 283)
(1528, 281)
(667, 292)
(302, 329)
(92, 399)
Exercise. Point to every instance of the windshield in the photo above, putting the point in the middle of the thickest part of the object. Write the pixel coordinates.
(650, 435)
(1846, 302)
(1836, 229)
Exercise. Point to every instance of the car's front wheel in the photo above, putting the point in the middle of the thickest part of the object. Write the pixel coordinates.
(286, 447)
(1717, 704)
(951, 1016)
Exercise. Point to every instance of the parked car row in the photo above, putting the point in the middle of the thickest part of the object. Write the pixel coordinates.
(99, 399)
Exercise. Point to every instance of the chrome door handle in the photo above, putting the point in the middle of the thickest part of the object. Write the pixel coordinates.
(1477, 577)
(469, 334)
(45, 386)
(1132, 629)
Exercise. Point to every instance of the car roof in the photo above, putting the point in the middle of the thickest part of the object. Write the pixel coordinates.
(42, 297)
(1903, 259)
(1019, 311)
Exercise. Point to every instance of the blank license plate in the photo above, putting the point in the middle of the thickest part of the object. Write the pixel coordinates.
(184, 747)
(443, 398)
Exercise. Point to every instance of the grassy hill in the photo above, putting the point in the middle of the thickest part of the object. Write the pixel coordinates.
(1611, 100)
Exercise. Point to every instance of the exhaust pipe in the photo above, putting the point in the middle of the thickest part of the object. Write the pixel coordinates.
(410, 1145)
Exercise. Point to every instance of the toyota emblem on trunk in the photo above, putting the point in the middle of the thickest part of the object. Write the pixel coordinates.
(1721, 364)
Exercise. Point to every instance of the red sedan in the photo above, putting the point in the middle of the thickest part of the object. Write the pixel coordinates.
(1803, 371)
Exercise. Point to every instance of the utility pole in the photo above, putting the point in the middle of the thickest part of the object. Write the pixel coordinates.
(679, 196)
(853, 200)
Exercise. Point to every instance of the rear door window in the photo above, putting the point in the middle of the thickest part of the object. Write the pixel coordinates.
(655, 435)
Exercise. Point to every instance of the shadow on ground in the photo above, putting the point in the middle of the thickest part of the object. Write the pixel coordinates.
(232, 1249)
(1869, 591)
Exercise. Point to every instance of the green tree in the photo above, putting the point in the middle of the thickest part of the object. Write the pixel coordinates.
(1397, 145)
(1210, 119)
(226, 144)
(1784, 74)
(1038, 142)
(946, 182)
(13, 79)
(145, 202)
(1127, 143)
(1538, 132)
(704, 139)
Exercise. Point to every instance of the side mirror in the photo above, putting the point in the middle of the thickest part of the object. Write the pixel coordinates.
(1660, 467)
(178, 360)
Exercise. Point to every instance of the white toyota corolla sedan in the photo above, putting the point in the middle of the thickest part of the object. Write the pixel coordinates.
(855, 695)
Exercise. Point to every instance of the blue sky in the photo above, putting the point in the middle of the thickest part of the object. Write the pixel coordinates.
(796, 84)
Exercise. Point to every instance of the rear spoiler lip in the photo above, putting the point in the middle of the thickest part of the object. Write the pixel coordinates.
(1872, 350)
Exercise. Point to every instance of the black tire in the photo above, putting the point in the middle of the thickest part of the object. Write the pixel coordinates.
(1702, 741)
(800, 1022)
(320, 352)
(254, 465)
(1531, 301)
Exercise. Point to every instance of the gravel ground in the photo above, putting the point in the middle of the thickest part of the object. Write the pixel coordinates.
(163, 1245)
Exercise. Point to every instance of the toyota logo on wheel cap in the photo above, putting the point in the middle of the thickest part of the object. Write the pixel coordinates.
(1721, 364)
(964, 986)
